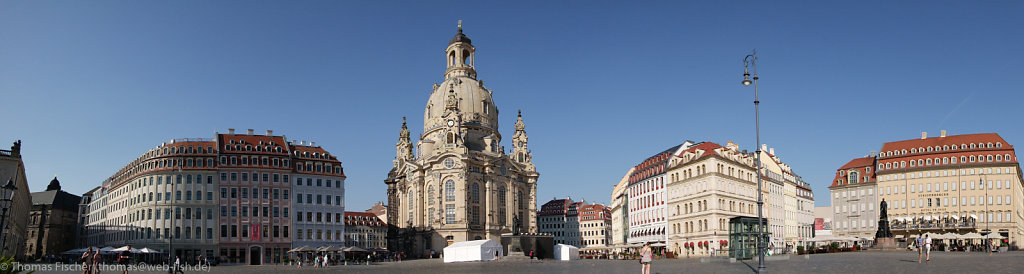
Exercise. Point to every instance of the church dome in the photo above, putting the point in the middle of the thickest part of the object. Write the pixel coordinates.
(473, 100)
(459, 37)
(54, 184)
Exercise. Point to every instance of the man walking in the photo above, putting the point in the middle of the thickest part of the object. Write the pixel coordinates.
(927, 248)
(920, 245)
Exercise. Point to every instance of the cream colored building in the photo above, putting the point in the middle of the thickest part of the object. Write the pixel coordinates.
(459, 184)
(619, 210)
(710, 184)
(969, 183)
(855, 199)
(595, 225)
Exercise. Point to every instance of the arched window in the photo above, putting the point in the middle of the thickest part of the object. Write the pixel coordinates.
(451, 138)
(854, 177)
(476, 193)
(449, 191)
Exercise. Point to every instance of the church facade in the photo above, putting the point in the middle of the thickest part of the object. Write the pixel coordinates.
(457, 183)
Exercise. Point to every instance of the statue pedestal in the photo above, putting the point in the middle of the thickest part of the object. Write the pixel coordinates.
(519, 246)
(515, 248)
(888, 243)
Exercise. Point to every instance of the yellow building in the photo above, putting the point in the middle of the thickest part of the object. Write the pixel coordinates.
(959, 184)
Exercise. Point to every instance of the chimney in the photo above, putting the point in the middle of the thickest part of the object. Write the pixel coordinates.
(924, 135)
(943, 134)
(270, 132)
(872, 153)
(250, 131)
(231, 131)
(302, 143)
(764, 147)
(771, 150)
(312, 144)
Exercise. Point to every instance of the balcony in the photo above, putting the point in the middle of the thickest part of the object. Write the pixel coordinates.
(933, 226)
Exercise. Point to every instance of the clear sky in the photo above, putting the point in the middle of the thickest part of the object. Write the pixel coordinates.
(90, 85)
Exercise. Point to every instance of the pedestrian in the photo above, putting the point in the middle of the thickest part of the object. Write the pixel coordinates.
(96, 260)
(919, 244)
(125, 258)
(531, 254)
(927, 248)
(991, 246)
(87, 261)
(646, 256)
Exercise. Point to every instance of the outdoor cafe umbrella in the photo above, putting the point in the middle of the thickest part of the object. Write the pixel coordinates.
(304, 248)
(353, 249)
(328, 248)
(972, 235)
(147, 250)
(124, 248)
(994, 236)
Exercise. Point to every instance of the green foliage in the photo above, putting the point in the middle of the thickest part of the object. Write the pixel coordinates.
(7, 266)
(800, 249)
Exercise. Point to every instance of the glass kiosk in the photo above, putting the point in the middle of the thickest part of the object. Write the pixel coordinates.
(743, 237)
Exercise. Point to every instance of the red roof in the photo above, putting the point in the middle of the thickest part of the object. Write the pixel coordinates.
(267, 144)
(958, 140)
(708, 148)
(362, 218)
(864, 166)
(555, 207)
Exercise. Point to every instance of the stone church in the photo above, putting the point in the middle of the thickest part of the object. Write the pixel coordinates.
(458, 183)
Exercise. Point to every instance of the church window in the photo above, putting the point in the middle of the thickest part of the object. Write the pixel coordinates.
(487, 108)
(449, 212)
(476, 193)
(430, 195)
(450, 139)
(449, 191)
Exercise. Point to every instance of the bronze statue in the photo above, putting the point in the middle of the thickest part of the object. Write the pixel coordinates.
(516, 224)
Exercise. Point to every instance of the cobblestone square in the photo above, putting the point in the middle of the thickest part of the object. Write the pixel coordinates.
(857, 262)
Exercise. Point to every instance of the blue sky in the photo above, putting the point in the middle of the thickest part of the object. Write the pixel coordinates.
(90, 85)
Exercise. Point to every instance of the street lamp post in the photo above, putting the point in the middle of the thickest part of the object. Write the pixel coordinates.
(750, 61)
(6, 201)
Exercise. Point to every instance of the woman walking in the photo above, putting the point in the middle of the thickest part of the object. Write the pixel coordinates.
(87, 261)
(646, 256)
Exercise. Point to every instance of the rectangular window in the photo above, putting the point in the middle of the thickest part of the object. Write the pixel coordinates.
(224, 231)
(285, 194)
(234, 192)
(245, 231)
(266, 193)
(298, 198)
(449, 214)
(234, 176)
(245, 193)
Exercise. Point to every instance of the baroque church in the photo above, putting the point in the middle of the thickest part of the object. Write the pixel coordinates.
(458, 183)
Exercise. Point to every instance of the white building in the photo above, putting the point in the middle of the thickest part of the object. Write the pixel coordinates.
(646, 202)
(620, 210)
